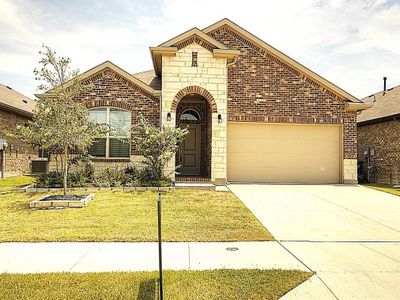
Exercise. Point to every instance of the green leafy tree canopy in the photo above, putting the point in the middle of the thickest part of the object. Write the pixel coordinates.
(61, 123)
(157, 145)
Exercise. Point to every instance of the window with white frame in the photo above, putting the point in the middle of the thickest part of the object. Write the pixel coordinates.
(116, 143)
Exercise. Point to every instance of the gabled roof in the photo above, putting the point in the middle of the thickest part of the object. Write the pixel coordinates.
(170, 47)
(385, 106)
(149, 77)
(281, 56)
(190, 33)
(109, 65)
(16, 102)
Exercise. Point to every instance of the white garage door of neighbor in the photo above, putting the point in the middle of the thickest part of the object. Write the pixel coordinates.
(283, 153)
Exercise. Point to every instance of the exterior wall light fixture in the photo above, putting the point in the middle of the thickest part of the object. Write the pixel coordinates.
(3, 144)
(168, 116)
(219, 118)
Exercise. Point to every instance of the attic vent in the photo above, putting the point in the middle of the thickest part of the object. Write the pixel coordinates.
(194, 59)
(23, 100)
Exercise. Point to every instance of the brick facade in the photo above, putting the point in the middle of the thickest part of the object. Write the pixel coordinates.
(264, 89)
(257, 87)
(17, 156)
(111, 89)
(384, 139)
(194, 90)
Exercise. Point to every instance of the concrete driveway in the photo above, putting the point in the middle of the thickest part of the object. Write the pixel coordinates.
(349, 235)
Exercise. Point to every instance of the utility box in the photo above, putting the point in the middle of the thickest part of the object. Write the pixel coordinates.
(39, 166)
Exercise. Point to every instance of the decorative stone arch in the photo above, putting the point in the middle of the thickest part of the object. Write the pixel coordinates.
(110, 103)
(193, 89)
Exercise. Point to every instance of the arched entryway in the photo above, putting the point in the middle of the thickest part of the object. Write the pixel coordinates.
(194, 156)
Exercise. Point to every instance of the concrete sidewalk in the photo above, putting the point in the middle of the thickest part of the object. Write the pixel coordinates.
(106, 257)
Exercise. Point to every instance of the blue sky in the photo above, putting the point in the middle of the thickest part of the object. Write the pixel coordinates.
(352, 43)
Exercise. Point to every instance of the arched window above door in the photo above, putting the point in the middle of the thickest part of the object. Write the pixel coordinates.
(190, 115)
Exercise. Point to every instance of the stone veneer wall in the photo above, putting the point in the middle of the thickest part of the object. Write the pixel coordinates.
(210, 75)
(17, 156)
(384, 138)
(261, 88)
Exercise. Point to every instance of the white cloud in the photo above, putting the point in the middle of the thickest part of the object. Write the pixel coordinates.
(352, 43)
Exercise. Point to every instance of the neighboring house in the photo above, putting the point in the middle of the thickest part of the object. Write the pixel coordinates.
(15, 110)
(253, 113)
(378, 131)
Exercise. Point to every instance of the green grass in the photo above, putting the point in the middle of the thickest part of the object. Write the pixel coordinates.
(15, 182)
(216, 284)
(384, 188)
(188, 215)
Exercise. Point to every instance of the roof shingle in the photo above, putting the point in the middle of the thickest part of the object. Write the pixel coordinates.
(384, 104)
(15, 101)
(149, 77)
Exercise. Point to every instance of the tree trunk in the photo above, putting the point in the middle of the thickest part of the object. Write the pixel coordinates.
(65, 169)
(56, 159)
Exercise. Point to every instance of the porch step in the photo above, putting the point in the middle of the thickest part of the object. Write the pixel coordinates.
(192, 179)
(195, 185)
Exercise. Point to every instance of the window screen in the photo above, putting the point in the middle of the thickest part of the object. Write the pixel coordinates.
(119, 148)
(116, 142)
(98, 148)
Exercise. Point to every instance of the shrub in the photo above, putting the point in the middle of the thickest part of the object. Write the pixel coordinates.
(77, 179)
(110, 177)
(148, 177)
(83, 165)
(50, 179)
(132, 174)
(157, 146)
(113, 176)
(55, 179)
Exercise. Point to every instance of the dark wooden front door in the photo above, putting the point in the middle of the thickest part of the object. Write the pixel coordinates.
(189, 152)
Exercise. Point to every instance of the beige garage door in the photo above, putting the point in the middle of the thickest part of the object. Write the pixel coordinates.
(283, 153)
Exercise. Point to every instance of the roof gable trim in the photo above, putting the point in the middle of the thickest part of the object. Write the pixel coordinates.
(280, 56)
(16, 110)
(194, 32)
(109, 65)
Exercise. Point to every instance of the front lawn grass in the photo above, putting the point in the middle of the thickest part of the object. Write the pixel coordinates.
(15, 182)
(384, 188)
(216, 284)
(188, 215)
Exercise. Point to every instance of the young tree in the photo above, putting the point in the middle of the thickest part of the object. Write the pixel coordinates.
(157, 145)
(61, 123)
